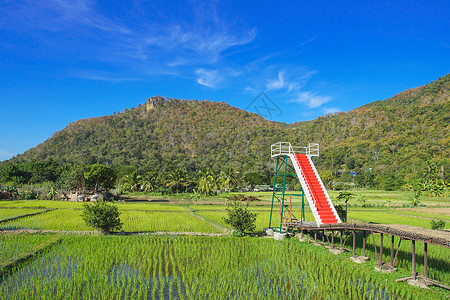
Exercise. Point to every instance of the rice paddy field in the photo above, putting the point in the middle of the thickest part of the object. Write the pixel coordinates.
(159, 255)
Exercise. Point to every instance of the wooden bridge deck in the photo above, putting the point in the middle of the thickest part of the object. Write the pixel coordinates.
(436, 237)
(403, 232)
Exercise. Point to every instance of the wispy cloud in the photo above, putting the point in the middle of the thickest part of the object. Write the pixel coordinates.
(115, 49)
(293, 82)
(277, 83)
(282, 82)
(208, 78)
(311, 99)
(331, 110)
(139, 48)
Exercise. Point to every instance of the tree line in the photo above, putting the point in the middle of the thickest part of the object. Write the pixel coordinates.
(47, 177)
(99, 178)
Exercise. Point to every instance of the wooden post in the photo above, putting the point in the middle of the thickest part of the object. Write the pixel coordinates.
(315, 236)
(323, 236)
(413, 250)
(425, 260)
(332, 239)
(392, 251)
(381, 250)
(398, 248)
(340, 242)
(364, 243)
(354, 242)
(374, 245)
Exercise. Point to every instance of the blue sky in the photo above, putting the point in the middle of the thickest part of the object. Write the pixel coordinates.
(64, 60)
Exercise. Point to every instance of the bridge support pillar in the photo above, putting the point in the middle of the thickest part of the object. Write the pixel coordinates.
(354, 243)
(425, 260)
(364, 243)
(392, 251)
(380, 263)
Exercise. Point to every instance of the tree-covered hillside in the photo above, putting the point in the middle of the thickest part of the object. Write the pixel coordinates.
(393, 141)
(388, 144)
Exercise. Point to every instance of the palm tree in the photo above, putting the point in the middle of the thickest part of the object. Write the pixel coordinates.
(203, 182)
(176, 180)
(134, 180)
(149, 183)
(230, 179)
(209, 182)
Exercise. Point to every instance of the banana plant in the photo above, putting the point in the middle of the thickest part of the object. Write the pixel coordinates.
(52, 193)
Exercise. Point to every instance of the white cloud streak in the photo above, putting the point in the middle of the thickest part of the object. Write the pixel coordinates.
(311, 99)
(208, 78)
(331, 110)
(277, 83)
(293, 87)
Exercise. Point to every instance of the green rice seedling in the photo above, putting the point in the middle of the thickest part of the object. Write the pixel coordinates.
(13, 245)
(59, 219)
(164, 221)
(7, 213)
(149, 206)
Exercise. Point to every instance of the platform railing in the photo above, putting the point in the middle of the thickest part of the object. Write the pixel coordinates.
(285, 148)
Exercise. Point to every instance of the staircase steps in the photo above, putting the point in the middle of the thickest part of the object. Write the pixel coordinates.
(319, 197)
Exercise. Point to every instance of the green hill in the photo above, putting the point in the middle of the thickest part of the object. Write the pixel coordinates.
(385, 142)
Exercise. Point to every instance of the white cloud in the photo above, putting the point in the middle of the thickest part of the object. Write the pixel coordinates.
(277, 83)
(331, 110)
(311, 99)
(292, 82)
(147, 47)
(209, 78)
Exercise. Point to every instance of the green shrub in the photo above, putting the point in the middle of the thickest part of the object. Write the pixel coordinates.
(437, 224)
(240, 218)
(102, 215)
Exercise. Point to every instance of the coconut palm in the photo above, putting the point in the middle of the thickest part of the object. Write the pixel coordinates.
(230, 179)
(209, 182)
(176, 180)
(149, 183)
(133, 180)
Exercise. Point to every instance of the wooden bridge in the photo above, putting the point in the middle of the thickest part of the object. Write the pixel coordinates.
(402, 232)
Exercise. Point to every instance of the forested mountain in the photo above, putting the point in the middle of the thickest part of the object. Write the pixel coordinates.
(392, 140)
(387, 143)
